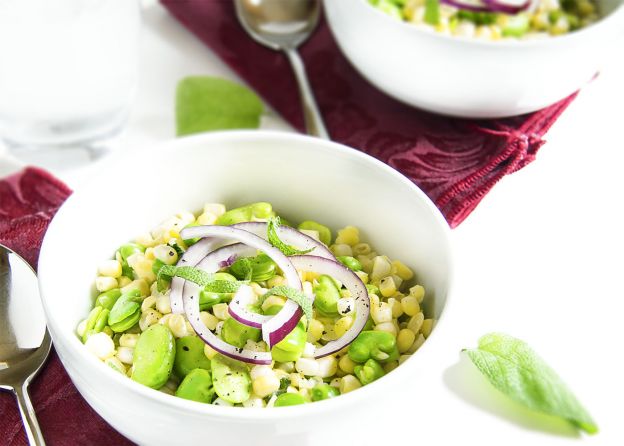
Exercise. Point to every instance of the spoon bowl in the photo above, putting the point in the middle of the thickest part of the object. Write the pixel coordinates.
(283, 25)
(24, 340)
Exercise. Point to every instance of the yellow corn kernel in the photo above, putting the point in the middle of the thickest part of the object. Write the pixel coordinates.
(123, 281)
(397, 308)
(416, 322)
(418, 291)
(404, 358)
(381, 313)
(146, 240)
(149, 253)
(390, 366)
(342, 325)
(405, 339)
(208, 320)
(221, 311)
(367, 264)
(149, 318)
(266, 384)
(350, 235)
(410, 306)
(315, 330)
(104, 283)
(363, 276)
(341, 249)
(148, 302)
(166, 254)
(163, 304)
(388, 327)
(387, 286)
(128, 340)
(206, 218)
(349, 383)
(361, 249)
(177, 325)
(346, 364)
(397, 281)
(110, 268)
(426, 327)
(420, 340)
(115, 364)
(209, 352)
(402, 271)
(276, 281)
(381, 268)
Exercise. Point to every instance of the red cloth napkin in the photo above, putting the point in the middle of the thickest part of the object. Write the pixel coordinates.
(28, 200)
(455, 161)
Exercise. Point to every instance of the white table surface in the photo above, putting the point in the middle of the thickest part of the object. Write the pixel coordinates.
(541, 258)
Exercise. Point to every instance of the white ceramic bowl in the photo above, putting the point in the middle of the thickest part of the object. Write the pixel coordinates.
(304, 178)
(470, 77)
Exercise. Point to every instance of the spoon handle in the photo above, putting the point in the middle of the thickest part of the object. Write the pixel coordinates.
(313, 120)
(31, 425)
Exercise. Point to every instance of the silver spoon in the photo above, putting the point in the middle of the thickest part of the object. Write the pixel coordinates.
(283, 25)
(24, 340)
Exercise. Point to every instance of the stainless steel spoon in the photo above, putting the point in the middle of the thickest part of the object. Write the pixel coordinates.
(24, 340)
(283, 25)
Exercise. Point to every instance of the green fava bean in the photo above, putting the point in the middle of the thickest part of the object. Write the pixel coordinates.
(368, 372)
(262, 268)
(126, 251)
(372, 289)
(260, 210)
(325, 235)
(207, 299)
(189, 355)
(379, 345)
(197, 386)
(323, 392)
(154, 355)
(327, 295)
(291, 347)
(108, 298)
(126, 312)
(237, 334)
(96, 321)
(289, 399)
(350, 262)
(230, 379)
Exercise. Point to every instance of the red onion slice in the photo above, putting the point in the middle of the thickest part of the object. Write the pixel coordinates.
(290, 236)
(239, 311)
(355, 286)
(507, 6)
(210, 264)
(276, 329)
(475, 6)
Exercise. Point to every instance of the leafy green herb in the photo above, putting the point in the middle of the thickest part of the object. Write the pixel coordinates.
(284, 383)
(516, 370)
(273, 224)
(197, 276)
(432, 12)
(206, 103)
(296, 296)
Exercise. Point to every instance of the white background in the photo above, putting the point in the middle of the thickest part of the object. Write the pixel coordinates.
(541, 258)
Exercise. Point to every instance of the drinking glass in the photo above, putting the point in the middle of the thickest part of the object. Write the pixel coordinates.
(68, 69)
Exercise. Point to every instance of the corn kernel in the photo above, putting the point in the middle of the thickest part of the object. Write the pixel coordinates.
(100, 345)
(177, 325)
(341, 249)
(381, 313)
(206, 218)
(397, 281)
(420, 340)
(349, 383)
(123, 281)
(342, 325)
(426, 327)
(418, 291)
(348, 236)
(410, 306)
(404, 358)
(81, 328)
(397, 308)
(361, 249)
(327, 366)
(221, 311)
(208, 320)
(215, 208)
(308, 350)
(149, 318)
(260, 370)
(128, 340)
(209, 352)
(104, 283)
(381, 268)
(307, 366)
(125, 354)
(390, 366)
(405, 339)
(138, 284)
(148, 302)
(315, 330)
(346, 364)
(115, 364)
(146, 240)
(388, 327)
(402, 270)
(163, 304)
(416, 322)
(363, 276)
(110, 268)
(367, 264)
(166, 254)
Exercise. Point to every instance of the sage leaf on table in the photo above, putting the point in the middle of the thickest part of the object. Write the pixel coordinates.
(205, 103)
(516, 370)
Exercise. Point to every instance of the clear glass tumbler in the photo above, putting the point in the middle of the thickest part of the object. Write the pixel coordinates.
(68, 69)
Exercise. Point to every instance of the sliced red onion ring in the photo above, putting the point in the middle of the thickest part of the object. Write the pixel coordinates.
(507, 6)
(355, 286)
(275, 329)
(290, 236)
(238, 308)
(210, 263)
(475, 6)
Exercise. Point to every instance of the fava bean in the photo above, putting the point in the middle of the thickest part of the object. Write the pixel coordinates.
(154, 356)
(291, 347)
(197, 386)
(262, 268)
(126, 311)
(108, 298)
(368, 372)
(289, 399)
(379, 345)
(230, 379)
(323, 392)
(126, 251)
(237, 334)
(350, 262)
(189, 355)
(324, 232)
(96, 321)
(327, 295)
(251, 212)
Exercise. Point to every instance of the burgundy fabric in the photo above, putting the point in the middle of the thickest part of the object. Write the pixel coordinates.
(28, 200)
(455, 161)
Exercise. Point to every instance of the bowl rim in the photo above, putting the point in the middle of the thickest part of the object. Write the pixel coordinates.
(616, 14)
(93, 367)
